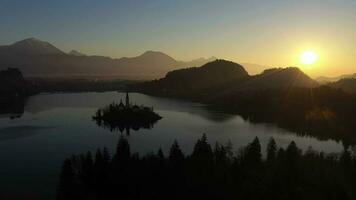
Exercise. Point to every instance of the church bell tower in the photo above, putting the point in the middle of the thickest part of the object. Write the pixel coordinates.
(127, 100)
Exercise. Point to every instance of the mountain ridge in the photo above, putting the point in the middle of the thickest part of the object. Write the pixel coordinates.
(326, 79)
(32, 46)
(35, 57)
(76, 53)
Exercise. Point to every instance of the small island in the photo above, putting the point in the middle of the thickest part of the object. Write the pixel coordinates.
(126, 116)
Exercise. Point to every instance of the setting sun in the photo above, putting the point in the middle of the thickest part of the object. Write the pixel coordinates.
(308, 58)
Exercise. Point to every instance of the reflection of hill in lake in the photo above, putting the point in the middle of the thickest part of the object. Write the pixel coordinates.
(125, 117)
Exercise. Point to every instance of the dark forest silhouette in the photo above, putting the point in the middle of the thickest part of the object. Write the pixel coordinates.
(13, 84)
(14, 90)
(209, 173)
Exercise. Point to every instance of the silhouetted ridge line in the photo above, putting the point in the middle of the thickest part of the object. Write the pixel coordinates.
(346, 84)
(42, 59)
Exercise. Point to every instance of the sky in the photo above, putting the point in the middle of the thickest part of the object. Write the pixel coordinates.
(266, 32)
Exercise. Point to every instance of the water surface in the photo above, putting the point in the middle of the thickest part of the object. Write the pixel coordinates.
(55, 126)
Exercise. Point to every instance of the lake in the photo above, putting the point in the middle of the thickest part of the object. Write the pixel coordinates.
(56, 126)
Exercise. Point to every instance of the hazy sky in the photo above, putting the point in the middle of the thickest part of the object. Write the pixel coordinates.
(268, 32)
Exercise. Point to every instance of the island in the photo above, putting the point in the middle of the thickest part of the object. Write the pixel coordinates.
(120, 116)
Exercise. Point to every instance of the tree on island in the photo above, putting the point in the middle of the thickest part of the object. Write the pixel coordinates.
(126, 116)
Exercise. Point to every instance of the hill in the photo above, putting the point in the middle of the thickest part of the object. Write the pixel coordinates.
(76, 53)
(210, 74)
(221, 78)
(280, 78)
(14, 86)
(346, 84)
(42, 59)
(12, 82)
(326, 80)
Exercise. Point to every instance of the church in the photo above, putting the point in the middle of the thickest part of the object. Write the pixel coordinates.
(127, 104)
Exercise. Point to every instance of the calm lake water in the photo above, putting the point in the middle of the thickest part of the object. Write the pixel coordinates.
(56, 126)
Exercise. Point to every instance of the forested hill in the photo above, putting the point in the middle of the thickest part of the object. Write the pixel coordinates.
(209, 75)
(281, 77)
(222, 77)
(13, 84)
(346, 84)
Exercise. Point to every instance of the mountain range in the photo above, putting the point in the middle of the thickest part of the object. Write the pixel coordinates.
(325, 79)
(39, 58)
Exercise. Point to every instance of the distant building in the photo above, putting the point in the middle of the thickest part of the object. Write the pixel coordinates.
(121, 105)
(127, 103)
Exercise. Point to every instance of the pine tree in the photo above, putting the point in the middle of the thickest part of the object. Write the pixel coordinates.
(175, 154)
(122, 151)
(66, 189)
(271, 150)
(253, 152)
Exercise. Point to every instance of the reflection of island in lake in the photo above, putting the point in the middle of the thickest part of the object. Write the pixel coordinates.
(125, 117)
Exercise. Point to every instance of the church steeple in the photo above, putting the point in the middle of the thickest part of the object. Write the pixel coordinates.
(127, 100)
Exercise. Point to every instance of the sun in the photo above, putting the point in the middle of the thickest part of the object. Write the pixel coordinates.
(308, 57)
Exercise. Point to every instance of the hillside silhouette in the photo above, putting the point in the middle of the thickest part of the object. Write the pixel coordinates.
(14, 90)
(197, 78)
(325, 79)
(76, 53)
(345, 84)
(13, 84)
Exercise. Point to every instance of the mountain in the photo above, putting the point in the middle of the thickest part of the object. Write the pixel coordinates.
(346, 84)
(349, 76)
(38, 58)
(76, 53)
(325, 80)
(280, 78)
(31, 46)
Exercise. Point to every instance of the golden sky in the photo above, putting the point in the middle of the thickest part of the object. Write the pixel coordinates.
(265, 32)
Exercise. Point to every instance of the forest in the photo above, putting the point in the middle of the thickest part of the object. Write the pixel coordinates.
(209, 172)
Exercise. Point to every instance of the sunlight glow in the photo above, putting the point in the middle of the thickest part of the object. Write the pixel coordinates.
(308, 58)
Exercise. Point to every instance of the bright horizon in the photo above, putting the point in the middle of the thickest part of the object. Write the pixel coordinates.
(275, 34)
